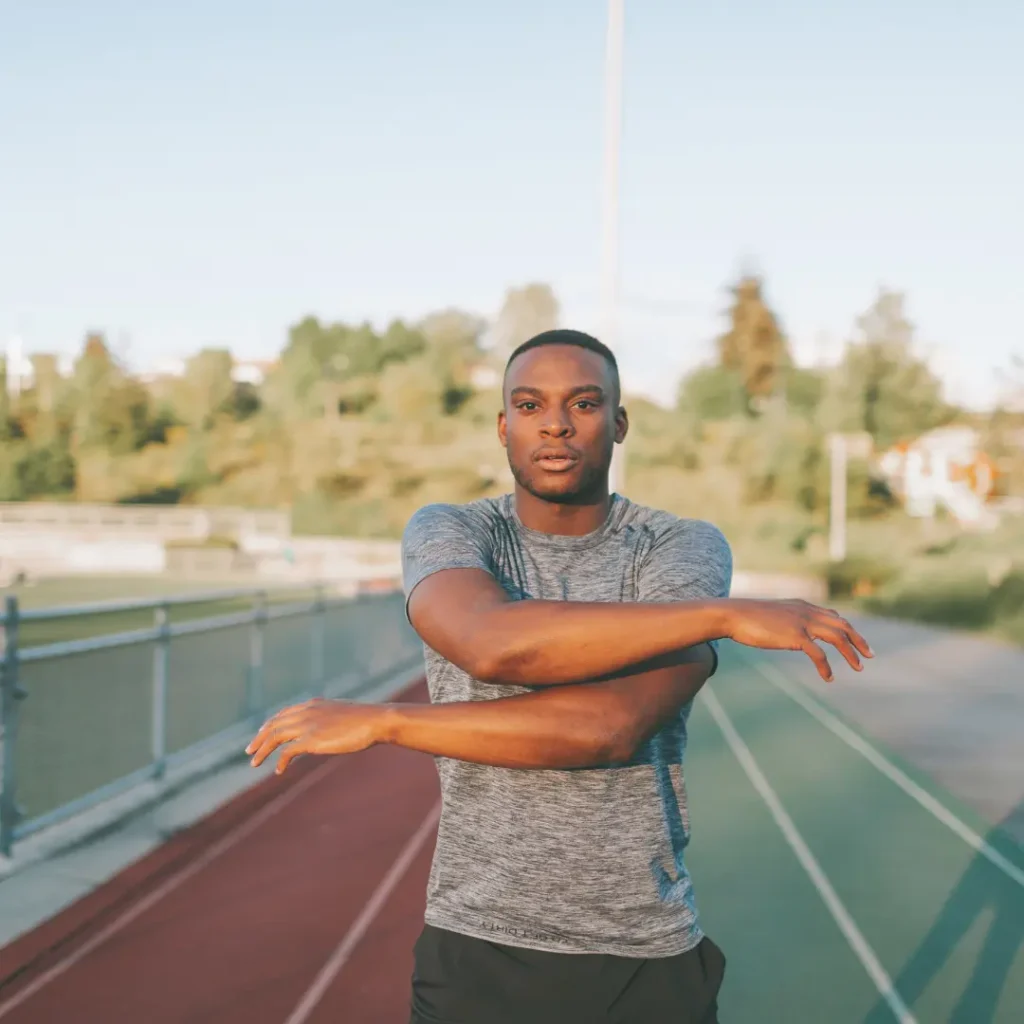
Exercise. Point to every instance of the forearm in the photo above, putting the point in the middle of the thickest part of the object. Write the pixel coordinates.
(548, 729)
(548, 643)
(575, 726)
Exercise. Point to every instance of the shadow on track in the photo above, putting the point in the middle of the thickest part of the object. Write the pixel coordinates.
(982, 889)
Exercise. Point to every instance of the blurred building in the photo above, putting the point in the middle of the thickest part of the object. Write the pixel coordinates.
(945, 468)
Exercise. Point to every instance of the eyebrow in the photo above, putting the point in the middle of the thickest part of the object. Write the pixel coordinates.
(573, 393)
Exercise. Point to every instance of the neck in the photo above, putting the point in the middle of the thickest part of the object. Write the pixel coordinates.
(572, 519)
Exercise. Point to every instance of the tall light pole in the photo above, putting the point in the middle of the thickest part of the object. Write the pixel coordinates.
(837, 499)
(610, 201)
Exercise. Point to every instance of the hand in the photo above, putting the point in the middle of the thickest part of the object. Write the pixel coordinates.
(317, 727)
(795, 626)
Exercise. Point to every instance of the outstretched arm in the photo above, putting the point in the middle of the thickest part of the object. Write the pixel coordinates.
(578, 726)
(466, 617)
(459, 610)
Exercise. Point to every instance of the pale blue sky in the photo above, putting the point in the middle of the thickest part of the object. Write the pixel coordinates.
(210, 171)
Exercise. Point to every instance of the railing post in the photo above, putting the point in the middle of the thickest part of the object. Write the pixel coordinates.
(257, 631)
(161, 663)
(318, 635)
(10, 695)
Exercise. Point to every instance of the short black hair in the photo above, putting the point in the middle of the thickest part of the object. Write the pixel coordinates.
(564, 336)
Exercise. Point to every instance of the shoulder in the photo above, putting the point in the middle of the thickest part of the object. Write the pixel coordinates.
(685, 558)
(669, 531)
(439, 519)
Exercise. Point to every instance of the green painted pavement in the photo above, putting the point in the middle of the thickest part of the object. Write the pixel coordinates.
(757, 903)
(945, 923)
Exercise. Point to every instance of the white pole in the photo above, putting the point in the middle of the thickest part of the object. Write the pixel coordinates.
(610, 201)
(837, 513)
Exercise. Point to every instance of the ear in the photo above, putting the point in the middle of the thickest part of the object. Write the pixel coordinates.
(502, 429)
(621, 425)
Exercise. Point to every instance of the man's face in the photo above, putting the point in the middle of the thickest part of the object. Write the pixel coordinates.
(560, 421)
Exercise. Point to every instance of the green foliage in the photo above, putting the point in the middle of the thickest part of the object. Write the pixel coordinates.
(46, 471)
(805, 389)
(111, 409)
(526, 311)
(882, 387)
(712, 393)
(410, 390)
(28, 471)
(206, 390)
(355, 428)
(754, 346)
(844, 578)
(955, 597)
(6, 425)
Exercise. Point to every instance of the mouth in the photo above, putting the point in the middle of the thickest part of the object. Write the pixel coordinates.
(556, 461)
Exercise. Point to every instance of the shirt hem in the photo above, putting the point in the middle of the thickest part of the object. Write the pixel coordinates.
(673, 945)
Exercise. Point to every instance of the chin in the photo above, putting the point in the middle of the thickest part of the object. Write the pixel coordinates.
(555, 489)
(577, 485)
(565, 489)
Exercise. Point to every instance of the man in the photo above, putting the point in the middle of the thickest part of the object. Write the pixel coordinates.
(567, 632)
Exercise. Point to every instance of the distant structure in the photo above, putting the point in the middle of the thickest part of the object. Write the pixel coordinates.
(944, 468)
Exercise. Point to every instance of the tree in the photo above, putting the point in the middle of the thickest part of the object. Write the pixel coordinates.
(452, 351)
(881, 386)
(206, 389)
(46, 383)
(322, 363)
(1003, 436)
(400, 342)
(5, 403)
(110, 408)
(754, 346)
(711, 393)
(805, 389)
(526, 311)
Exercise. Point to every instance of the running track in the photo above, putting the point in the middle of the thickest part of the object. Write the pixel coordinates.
(844, 885)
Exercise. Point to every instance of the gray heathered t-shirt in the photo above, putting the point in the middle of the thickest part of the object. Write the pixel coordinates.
(572, 861)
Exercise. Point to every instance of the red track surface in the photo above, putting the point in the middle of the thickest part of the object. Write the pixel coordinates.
(235, 919)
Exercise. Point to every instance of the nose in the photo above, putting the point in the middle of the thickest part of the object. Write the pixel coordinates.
(557, 424)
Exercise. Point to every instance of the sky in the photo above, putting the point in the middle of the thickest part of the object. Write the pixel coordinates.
(209, 172)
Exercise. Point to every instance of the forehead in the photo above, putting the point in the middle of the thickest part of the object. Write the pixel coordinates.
(559, 368)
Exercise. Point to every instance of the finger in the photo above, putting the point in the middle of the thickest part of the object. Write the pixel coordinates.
(264, 730)
(817, 655)
(271, 742)
(263, 751)
(841, 642)
(858, 641)
(290, 752)
(847, 627)
(288, 718)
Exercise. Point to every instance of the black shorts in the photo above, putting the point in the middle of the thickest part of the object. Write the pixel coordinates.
(461, 980)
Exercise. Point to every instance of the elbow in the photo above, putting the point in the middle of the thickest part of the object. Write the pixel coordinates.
(486, 666)
(497, 660)
(486, 658)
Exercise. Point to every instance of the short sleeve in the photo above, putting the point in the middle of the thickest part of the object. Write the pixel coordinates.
(442, 537)
(691, 560)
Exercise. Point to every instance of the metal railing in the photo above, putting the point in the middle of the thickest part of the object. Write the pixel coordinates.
(84, 719)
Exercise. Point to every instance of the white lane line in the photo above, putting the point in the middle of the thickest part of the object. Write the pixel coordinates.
(343, 951)
(226, 842)
(815, 708)
(840, 914)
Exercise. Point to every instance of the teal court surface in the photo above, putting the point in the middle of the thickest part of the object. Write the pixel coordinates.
(843, 884)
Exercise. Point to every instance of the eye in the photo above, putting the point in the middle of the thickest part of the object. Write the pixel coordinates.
(527, 406)
(586, 403)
